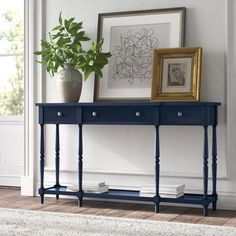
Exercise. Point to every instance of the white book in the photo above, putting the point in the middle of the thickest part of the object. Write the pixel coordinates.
(146, 194)
(172, 188)
(72, 188)
(163, 188)
(87, 184)
(161, 192)
(162, 195)
(102, 189)
(94, 183)
(172, 195)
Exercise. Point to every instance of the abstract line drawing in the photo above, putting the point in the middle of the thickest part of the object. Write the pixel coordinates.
(133, 56)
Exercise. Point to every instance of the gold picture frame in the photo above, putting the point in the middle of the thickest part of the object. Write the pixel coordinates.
(176, 74)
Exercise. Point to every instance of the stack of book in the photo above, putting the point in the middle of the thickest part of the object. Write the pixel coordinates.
(95, 186)
(91, 187)
(165, 191)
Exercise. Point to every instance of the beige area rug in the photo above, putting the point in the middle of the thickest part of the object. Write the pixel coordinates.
(33, 223)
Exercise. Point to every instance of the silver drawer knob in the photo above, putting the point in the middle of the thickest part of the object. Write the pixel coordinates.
(94, 114)
(59, 114)
(180, 114)
(138, 114)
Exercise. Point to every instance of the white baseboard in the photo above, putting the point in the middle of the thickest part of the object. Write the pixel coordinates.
(227, 202)
(10, 180)
(27, 186)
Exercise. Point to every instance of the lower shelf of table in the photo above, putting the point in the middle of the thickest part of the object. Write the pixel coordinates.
(134, 196)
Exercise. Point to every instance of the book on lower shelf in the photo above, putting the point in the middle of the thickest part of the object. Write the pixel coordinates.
(90, 186)
(162, 195)
(166, 195)
(102, 189)
(165, 191)
(171, 188)
(94, 183)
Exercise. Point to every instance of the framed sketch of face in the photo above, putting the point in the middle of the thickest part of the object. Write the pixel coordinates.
(176, 74)
(131, 38)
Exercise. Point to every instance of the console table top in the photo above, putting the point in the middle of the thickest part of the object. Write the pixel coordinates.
(127, 104)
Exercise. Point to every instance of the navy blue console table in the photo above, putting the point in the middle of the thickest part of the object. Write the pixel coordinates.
(156, 114)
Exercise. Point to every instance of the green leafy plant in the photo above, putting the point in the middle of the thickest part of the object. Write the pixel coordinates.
(65, 47)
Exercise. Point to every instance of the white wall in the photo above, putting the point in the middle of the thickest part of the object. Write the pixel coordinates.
(11, 151)
(123, 156)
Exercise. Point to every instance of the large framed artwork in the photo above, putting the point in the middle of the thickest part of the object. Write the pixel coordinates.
(131, 38)
(176, 74)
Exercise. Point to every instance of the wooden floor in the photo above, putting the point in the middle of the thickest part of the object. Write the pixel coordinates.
(11, 198)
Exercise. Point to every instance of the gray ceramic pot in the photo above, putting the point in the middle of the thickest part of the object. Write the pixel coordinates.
(69, 84)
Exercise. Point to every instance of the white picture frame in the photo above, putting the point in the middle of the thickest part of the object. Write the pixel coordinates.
(131, 38)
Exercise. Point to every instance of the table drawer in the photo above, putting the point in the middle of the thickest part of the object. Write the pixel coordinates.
(60, 115)
(186, 115)
(118, 115)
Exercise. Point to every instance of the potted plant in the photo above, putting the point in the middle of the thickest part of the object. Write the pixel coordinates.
(63, 54)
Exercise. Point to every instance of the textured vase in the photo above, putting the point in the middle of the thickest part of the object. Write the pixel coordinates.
(69, 84)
